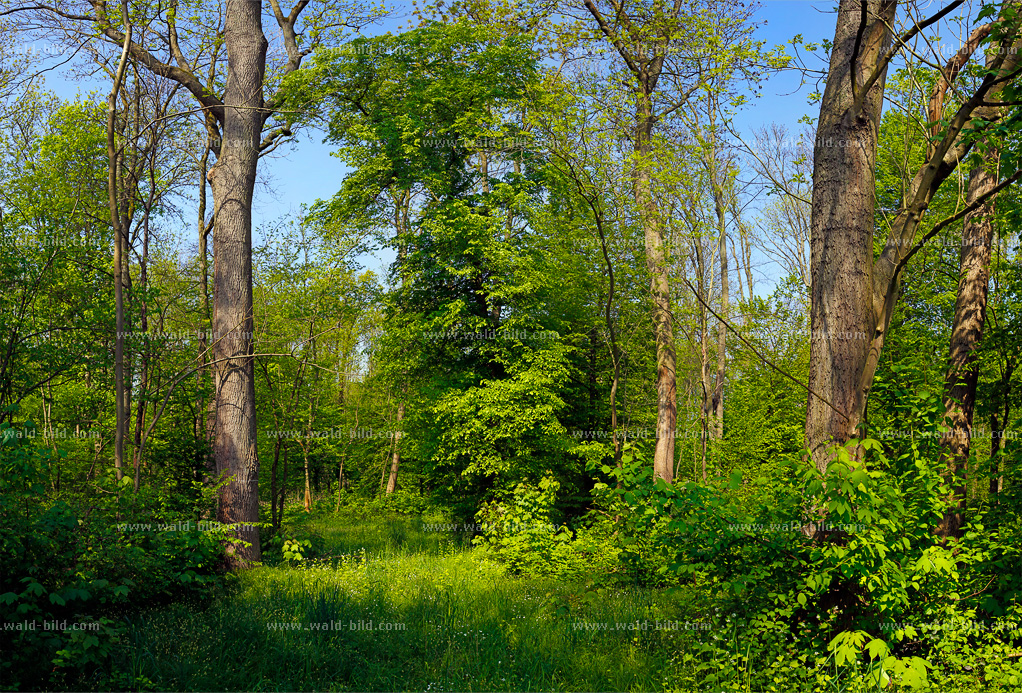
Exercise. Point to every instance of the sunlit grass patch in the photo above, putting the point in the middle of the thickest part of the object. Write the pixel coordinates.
(421, 612)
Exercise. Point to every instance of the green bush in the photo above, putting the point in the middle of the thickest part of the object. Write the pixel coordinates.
(521, 533)
(71, 567)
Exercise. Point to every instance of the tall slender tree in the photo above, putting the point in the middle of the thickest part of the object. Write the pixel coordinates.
(238, 114)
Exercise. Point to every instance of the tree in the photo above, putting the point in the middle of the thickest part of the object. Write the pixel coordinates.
(237, 113)
(669, 51)
(966, 333)
(853, 294)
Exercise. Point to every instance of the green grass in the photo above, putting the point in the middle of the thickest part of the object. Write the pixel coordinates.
(457, 623)
(397, 607)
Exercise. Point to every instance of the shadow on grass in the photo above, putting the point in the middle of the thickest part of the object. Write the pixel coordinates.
(443, 622)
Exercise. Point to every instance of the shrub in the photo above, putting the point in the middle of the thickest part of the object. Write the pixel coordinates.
(520, 532)
(70, 568)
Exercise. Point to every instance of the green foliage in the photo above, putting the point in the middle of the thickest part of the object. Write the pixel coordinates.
(507, 429)
(839, 555)
(295, 549)
(70, 572)
(522, 534)
(521, 531)
(403, 501)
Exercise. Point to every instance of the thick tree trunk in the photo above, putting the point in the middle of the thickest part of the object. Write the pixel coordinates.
(232, 179)
(853, 296)
(966, 332)
(841, 233)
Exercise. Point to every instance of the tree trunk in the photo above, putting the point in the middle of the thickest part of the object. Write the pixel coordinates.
(718, 390)
(738, 272)
(402, 204)
(232, 179)
(119, 235)
(656, 264)
(395, 458)
(853, 295)
(966, 332)
(706, 399)
(283, 485)
(615, 351)
(274, 517)
(996, 484)
(308, 490)
(841, 229)
(747, 257)
(144, 327)
(206, 408)
(387, 452)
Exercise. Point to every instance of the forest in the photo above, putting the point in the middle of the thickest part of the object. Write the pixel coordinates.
(510, 345)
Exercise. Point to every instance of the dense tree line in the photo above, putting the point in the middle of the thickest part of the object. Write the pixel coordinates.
(576, 312)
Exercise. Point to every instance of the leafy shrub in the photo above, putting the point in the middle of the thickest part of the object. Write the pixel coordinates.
(834, 556)
(68, 567)
(521, 533)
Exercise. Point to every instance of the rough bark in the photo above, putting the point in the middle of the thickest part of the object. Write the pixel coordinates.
(966, 333)
(853, 295)
(232, 179)
(841, 230)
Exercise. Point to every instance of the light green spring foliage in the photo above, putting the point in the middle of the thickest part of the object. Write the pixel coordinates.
(54, 246)
(522, 532)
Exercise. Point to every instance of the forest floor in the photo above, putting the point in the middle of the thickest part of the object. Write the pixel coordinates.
(395, 607)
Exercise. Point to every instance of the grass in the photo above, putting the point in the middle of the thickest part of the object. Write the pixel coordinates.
(393, 606)
(400, 608)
